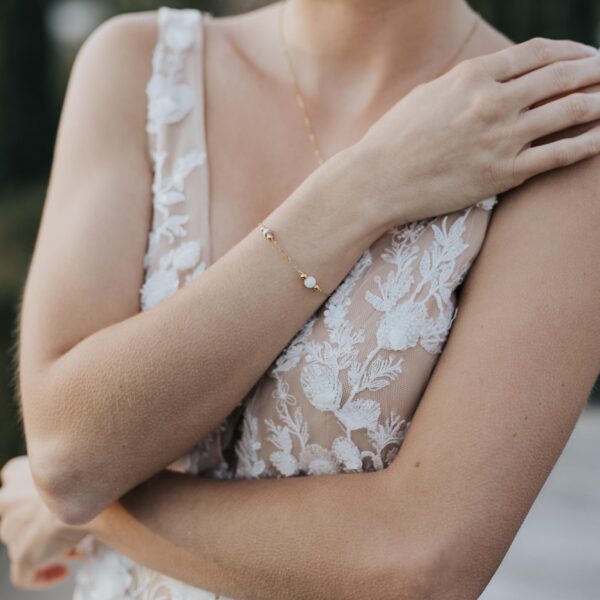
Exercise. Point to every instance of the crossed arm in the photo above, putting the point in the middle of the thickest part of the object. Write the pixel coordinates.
(505, 395)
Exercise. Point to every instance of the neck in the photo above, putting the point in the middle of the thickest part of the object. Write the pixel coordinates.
(374, 41)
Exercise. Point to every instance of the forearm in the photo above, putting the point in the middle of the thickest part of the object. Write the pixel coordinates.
(113, 401)
(318, 537)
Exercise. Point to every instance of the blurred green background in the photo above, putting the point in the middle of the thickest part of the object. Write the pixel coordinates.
(38, 41)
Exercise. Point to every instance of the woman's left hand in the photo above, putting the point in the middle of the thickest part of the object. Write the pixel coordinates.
(38, 543)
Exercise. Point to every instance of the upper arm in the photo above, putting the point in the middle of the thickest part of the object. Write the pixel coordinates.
(87, 263)
(515, 373)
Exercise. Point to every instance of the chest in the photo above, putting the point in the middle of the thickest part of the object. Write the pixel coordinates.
(258, 152)
(257, 143)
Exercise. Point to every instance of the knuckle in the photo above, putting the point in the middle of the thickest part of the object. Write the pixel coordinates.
(484, 106)
(519, 170)
(541, 48)
(470, 70)
(578, 107)
(562, 76)
(562, 155)
(591, 147)
(519, 175)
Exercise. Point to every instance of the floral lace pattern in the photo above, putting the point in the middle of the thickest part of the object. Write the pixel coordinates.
(340, 396)
(340, 376)
(170, 100)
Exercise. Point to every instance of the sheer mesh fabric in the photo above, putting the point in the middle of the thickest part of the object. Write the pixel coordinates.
(340, 397)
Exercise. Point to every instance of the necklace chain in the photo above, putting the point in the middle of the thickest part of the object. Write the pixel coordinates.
(310, 131)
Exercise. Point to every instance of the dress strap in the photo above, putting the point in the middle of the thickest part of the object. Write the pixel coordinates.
(178, 244)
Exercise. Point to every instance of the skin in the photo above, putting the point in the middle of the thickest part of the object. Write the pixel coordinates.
(514, 389)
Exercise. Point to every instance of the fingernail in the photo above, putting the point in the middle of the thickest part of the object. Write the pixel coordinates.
(591, 49)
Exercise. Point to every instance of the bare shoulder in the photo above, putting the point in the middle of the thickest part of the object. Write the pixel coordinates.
(95, 220)
(116, 60)
(551, 210)
(128, 38)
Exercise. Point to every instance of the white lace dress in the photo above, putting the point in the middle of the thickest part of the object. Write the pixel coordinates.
(339, 398)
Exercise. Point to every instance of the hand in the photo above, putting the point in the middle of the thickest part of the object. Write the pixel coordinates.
(38, 544)
(467, 135)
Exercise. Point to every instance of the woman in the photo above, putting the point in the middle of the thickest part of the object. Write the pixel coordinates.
(329, 337)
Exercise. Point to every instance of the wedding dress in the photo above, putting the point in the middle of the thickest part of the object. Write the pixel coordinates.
(340, 397)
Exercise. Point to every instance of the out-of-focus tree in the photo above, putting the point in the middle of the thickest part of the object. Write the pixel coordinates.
(27, 109)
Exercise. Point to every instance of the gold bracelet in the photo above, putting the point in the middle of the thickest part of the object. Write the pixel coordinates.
(309, 280)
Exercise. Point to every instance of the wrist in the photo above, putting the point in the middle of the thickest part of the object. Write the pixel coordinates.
(381, 203)
(350, 183)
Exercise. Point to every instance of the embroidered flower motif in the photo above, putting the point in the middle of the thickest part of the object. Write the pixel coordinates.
(488, 203)
(168, 103)
(401, 327)
(359, 414)
(158, 286)
(185, 165)
(285, 463)
(321, 386)
(196, 272)
(347, 453)
(177, 37)
(316, 460)
(105, 575)
(250, 466)
(185, 256)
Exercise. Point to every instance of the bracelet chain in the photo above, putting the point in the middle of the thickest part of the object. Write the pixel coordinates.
(309, 280)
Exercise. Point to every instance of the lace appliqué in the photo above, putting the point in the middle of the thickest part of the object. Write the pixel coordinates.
(415, 307)
(170, 100)
(488, 203)
(107, 575)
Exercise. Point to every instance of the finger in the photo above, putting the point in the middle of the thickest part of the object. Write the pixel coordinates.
(574, 109)
(555, 79)
(21, 576)
(14, 468)
(5, 529)
(9, 497)
(560, 153)
(532, 54)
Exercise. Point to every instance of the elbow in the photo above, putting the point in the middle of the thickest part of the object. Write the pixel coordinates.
(64, 460)
(75, 496)
(388, 567)
(400, 570)
(432, 574)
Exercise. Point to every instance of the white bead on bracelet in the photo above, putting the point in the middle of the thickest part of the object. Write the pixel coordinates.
(309, 281)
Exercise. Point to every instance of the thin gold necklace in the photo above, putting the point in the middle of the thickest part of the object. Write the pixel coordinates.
(300, 98)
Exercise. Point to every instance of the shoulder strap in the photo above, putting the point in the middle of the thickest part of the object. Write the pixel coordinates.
(170, 97)
(178, 239)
